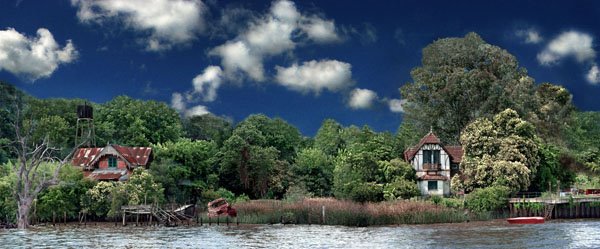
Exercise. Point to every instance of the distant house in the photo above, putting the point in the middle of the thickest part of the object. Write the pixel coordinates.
(111, 163)
(435, 164)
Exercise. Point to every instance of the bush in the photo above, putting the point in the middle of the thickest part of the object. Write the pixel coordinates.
(487, 199)
(367, 192)
(400, 189)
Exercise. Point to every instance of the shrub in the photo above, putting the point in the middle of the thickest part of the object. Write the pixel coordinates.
(367, 192)
(400, 189)
(487, 199)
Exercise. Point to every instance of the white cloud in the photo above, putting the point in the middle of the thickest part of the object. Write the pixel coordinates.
(178, 102)
(274, 33)
(362, 98)
(35, 57)
(531, 36)
(320, 30)
(570, 43)
(593, 75)
(236, 57)
(198, 110)
(169, 22)
(315, 76)
(396, 105)
(207, 83)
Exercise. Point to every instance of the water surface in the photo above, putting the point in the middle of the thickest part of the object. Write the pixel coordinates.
(496, 234)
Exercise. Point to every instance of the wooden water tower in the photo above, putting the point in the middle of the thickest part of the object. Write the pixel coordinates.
(85, 134)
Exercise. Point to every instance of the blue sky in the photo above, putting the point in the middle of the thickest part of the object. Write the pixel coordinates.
(303, 61)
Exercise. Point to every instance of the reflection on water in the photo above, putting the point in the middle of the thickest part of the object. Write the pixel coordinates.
(498, 234)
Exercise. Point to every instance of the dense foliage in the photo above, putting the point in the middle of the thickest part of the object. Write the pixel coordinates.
(498, 152)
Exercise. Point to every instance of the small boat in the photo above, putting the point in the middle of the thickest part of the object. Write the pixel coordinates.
(526, 220)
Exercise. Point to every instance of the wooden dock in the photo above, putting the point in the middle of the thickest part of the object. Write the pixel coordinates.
(171, 217)
(576, 206)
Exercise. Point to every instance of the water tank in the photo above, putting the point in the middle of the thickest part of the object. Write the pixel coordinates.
(85, 111)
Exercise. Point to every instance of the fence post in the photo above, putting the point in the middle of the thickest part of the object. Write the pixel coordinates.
(323, 214)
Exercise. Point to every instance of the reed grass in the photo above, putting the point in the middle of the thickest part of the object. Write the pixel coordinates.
(342, 212)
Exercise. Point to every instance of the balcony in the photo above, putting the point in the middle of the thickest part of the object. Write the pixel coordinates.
(432, 166)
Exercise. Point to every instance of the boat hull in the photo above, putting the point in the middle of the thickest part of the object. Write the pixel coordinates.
(526, 220)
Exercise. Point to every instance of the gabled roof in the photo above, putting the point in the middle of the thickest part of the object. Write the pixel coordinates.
(454, 151)
(137, 156)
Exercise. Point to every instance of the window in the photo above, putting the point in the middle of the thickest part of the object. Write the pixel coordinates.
(432, 185)
(112, 162)
(426, 156)
(431, 156)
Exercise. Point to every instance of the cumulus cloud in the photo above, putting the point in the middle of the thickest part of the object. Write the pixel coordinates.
(207, 83)
(529, 36)
(362, 98)
(178, 102)
(572, 44)
(198, 110)
(315, 76)
(396, 105)
(274, 33)
(568, 44)
(35, 57)
(320, 30)
(593, 75)
(236, 57)
(169, 22)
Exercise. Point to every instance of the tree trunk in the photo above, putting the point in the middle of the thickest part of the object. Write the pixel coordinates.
(23, 213)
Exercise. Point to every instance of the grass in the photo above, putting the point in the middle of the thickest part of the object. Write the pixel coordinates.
(342, 212)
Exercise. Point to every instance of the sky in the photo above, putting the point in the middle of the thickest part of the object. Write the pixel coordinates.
(302, 61)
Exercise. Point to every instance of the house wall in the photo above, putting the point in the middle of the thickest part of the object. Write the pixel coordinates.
(103, 163)
(417, 163)
(443, 188)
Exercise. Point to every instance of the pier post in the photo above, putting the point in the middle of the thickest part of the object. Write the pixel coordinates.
(124, 219)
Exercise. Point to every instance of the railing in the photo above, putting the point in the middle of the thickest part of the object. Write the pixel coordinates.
(432, 166)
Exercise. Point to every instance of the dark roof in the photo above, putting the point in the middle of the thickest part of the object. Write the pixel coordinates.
(137, 156)
(455, 151)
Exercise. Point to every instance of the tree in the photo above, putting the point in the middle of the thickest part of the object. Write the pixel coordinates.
(462, 79)
(498, 152)
(356, 172)
(314, 169)
(399, 178)
(249, 165)
(554, 112)
(328, 138)
(208, 127)
(127, 121)
(36, 166)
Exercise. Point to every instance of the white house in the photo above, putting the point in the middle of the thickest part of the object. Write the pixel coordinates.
(435, 164)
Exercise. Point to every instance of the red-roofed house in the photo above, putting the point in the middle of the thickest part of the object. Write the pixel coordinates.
(435, 164)
(111, 163)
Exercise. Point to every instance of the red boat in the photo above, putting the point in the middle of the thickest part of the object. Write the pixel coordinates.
(526, 220)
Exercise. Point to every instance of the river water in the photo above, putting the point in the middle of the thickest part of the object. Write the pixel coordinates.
(495, 234)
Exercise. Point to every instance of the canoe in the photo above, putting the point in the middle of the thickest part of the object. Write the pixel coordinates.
(526, 220)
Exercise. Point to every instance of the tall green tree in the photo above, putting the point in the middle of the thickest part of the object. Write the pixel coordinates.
(329, 138)
(462, 79)
(250, 165)
(127, 121)
(208, 127)
(314, 169)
